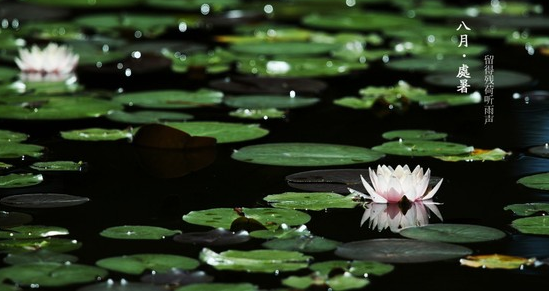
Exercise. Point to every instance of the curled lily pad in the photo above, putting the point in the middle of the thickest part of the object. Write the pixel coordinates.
(215, 237)
(58, 166)
(98, 134)
(18, 150)
(51, 274)
(305, 154)
(422, 148)
(532, 225)
(414, 134)
(144, 116)
(43, 200)
(137, 264)
(537, 181)
(20, 180)
(32, 231)
(263, 261)
(311, 201)
(223, 132)
(528, 209)
(271, 218)
(401, 251)
(453, 233)
(170, 99)
(306, 244)
(138, 232)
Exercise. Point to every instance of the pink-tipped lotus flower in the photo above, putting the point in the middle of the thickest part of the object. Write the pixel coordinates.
(54, 62)
(398, 185)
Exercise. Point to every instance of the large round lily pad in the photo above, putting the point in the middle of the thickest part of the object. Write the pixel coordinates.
(401, 251)
(453, 233)
(268, 101)
(284, 48)
(305, 154)
(223, 132)
(138, 232)
(137, 264)
(170, 99)
(422, 148)
(51, 274)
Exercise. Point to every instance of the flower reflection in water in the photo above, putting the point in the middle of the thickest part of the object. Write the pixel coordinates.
(397, 216)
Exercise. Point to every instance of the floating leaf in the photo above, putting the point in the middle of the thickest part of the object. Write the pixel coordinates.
(170, 99)
(268, 85)
(504, 79)
(39, 256)
(53, 244)
(223, 132)
(298, 67)
(400, 251)
(123, 285)
(359, 21)
(282, 232)
(337, 282)
(177, 278)
(333, 180)
(398, 95)
(168, 137)
(20, 180)
(536, 181)
(190, 5)
(357, 268)
(219, 287)
(58, 166)
(422, 148)
(496, 154)
(305, 154)
(43, 200)
(306, 244)
(98, 134)
(5, 165)
(224, 217)
(532, 225)
(150, 25)
(7, 73)
(283, 48)
(497, 261)
(32, 231)
(138, 232)
(258, 113)
(18, 150)
(137, 264)
(144, 116)
(414, 134)
(453, 233)
(215, 237)
(311, 201)
(263, 261)
(51, 274)
(432, 64)
(12, 136)
(12, 219)
(528, 209)
(268, 101)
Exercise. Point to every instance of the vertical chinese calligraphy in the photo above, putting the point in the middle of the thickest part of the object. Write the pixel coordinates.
(463, 70)
(488, 89)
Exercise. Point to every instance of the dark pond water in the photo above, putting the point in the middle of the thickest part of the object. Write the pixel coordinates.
(124, 189)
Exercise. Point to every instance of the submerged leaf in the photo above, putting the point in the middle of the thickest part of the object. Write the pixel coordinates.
(168, 137)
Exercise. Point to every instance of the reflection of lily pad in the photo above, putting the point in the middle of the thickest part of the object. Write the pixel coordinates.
(20, 180)
(536, 181)
(138, 232)
(170, 99)
(528, 209)
(401, 251)
(422, 148)
(311, 201)
(269, 217)
(453, 233)
(223, 132)
(306, 244)
(305, 154)
(137, 264)
(51, 274)
(532, 225)
(263, 261)
(43, 200)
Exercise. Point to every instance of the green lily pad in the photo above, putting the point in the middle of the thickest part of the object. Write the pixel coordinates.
(311, 200)
(215, 61)
(97, 134)
(268, 101)
(337, 282)
(496, 154)
(527, 209)
(447, 99)
(51, 274)
(283, 48)
(503, 79)
(32, 231)
(306, 244)
(144, 117)
(360, 21)
(431, 64)
(86, 3)
(357, 268)
(7, 73)
(223, 132)
(5, 165)
(215, 5)
(18, 150)
(284, 231)
(13, 218)
(219, 287)
(137, 264)
(271, 218)
(305, 154)
(537, 181)
(298, 67)
(138, 232)
(20, 180)
(394, 250)
(12, 136)
(438, 49)
(422, 148)
(150, 25)
(54, 107)
(30, 85)
(453, 233)
(53, 244)
(258, 113)
(261, 261)
(170, 99)
(538, 225)
(414, 134)
(58, 166)
(123, 285)
(40, 256)
(397, 95)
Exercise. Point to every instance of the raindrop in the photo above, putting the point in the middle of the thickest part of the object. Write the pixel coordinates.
(5, 23)
(182, 26)
(431, 38)
(350, 3)
(292, 94)
(205, 9)
(105, 48)
(34, 286)
(15, 23)
(120, 66)
(98, 65)
(123, 282)
(136, 54)
(137, 34)
(268, 8)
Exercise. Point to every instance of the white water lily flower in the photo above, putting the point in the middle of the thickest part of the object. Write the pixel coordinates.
(396, 185)
(54, 62)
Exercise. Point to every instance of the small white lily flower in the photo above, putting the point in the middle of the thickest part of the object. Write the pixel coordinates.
(53, 63)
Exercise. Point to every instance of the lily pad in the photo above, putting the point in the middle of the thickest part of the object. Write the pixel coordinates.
(40, 256)
(212, 62)
(167, 137)
(261, 261)
(215, 237)
(53, 244)
(144, 116)
(311, 201)
(357, 268)
(401, 251)
(282, 232)
(12, 136)
(432, 64)
(98, 134)
(10, 150)
(298, 67)
(305, 154)
(7, 73)
(223, 132)
(271, 218)
(305, 244)
(360, 21)
(219, 287)
(536, 181)
(283, 48)
(86, 3)
(258, 113)
(497, 261)
(138, 232)
(333, 180)
(532, 225)
(51, 274)
(190, 5)
(496, 154)
(58, 166)
(268, 101)
(268, 85)
(422, 148)
(453, 233)
(337, 282)
(137, 264)
(502, 79)
(123, 285)
(13, 218)
(20, 180)
(43, 200)
(170, 99)
(177, 277)
(32, 231)
(527, 209)
(443, 100)
(150, 25)
(415, 134)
